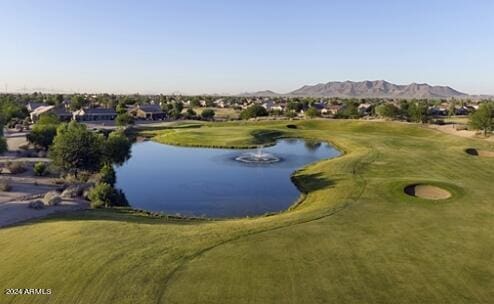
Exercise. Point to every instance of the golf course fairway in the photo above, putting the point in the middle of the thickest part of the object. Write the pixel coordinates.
(356, 237)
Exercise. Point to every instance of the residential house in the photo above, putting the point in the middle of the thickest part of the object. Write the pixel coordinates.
(439, 110)
(462, 110)
(148, 112)
(220, 103)
(364, 108)
(270, 105)
(31, 106)
(61, 113)
(94, 114)
(38, 111)
(331, 109)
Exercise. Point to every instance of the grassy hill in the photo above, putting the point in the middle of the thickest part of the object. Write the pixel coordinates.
(356, 237)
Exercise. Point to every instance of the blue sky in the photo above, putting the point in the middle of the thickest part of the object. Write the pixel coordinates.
(220, 46)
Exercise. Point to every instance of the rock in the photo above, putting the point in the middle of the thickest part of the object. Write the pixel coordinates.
(76, 190)
(71, 191)
(52, 198)
(37, 204)
(85, 194)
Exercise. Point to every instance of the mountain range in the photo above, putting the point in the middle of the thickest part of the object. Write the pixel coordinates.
(362, 89)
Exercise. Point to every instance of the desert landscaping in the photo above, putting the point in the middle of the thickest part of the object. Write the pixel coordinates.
(29, 196)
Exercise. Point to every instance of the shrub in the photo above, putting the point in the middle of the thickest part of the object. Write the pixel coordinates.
(388, 110)
(104, 195)
(253, 112)
(5, 186)
(311, 113)
(101, 195)
(190, 114)
(208, 114)
(40, 169)
(108, 175)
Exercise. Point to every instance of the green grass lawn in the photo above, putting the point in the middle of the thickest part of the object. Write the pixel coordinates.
(356, 238)
(221, 113)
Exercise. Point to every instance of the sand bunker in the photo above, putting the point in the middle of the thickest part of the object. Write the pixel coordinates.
(481, 153)
(427, 192)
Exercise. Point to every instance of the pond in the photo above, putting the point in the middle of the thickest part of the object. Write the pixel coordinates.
(216, 183)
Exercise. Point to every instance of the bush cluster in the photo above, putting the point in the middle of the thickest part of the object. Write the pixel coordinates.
(104, 195)
(40, 169)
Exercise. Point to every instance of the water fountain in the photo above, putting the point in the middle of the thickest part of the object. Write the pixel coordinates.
(258, 157)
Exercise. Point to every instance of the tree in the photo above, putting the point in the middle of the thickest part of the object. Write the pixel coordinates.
(42, 136)
(253, 111)
(48, 119)
(44, 131)
(124, 119)
(77, 149)
(176, 110)
(117, 148)
(59, 99)
(452, 108)
(418, 112)
(349, 110)
(388, 110)
(121, 108)
(108, 175)
(195, 103)
(178, 107)
(295, 106)
(10, 108)
(77, 102)
(208, 114)
(482, 119)
(311, 113)
(190, 114)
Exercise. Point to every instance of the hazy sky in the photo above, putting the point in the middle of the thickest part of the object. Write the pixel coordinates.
(228, 46)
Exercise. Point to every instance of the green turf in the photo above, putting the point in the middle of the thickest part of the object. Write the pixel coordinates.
(356, 238)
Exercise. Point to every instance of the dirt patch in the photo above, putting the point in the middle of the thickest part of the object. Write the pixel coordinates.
(456, 130)
(481, 153)
(486, 153)
(18, 211)
(428, 192)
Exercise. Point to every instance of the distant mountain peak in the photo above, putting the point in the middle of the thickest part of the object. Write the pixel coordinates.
(376, 89)
(265, 93)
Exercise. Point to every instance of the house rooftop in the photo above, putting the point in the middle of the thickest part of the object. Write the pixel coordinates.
(150, 108)
(99, 111)
(61, 111)
(34, 105)
(42, 109)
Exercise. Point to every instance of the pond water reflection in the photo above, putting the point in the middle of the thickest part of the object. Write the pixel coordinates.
(212, 182)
